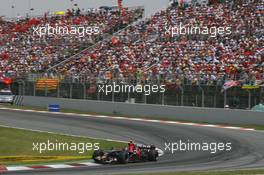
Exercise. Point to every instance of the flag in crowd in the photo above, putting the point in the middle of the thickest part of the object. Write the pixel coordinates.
(229, 84)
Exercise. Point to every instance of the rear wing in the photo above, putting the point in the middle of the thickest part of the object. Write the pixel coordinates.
(141, 146)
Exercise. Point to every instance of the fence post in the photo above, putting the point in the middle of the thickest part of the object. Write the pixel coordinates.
(84, 91)
(98, 95)
(215, 100)
(202, 95)
(34, 88)
(215, 96)
(113, 96)
(249, 99)
(203, 102)
(182, 95)
(128, 96)
(163, 100)
(225, 98)
(163, 94)
(261, 95)
(19, 88)
(70, 90)
(58, 90)
(145, 99)
(46, 89)
(23, 88)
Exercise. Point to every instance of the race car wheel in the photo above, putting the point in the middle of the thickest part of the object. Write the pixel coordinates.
(152, 155)
(96, 154)
(122, 157)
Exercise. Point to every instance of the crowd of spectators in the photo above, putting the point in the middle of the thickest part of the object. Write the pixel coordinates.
(22, 51)
(147, 51)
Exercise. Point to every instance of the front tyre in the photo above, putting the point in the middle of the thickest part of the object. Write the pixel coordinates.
(152, 155)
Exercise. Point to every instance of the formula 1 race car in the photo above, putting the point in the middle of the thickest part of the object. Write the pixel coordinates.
(141, 153)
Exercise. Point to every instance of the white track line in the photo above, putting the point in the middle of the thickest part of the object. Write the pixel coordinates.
(18, 168)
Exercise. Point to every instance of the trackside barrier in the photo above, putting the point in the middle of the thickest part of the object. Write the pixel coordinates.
(18, 99)
(210, 115)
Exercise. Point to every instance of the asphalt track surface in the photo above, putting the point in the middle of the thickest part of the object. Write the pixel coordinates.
(247, 146)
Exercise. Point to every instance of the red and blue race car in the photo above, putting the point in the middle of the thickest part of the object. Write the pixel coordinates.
(140, 153)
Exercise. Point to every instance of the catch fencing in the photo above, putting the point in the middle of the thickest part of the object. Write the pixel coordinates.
(184, 94)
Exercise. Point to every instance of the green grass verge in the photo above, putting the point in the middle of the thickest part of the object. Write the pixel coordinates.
(239, 172)
(16, 147)
(257, 127)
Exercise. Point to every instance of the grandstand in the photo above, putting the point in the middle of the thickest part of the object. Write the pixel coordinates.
(23, 52)
(145, 50)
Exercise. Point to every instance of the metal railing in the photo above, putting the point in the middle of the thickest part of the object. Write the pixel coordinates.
(210, 96)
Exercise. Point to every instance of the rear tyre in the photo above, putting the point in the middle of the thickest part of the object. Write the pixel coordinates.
(96, 154)
(122, 157)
